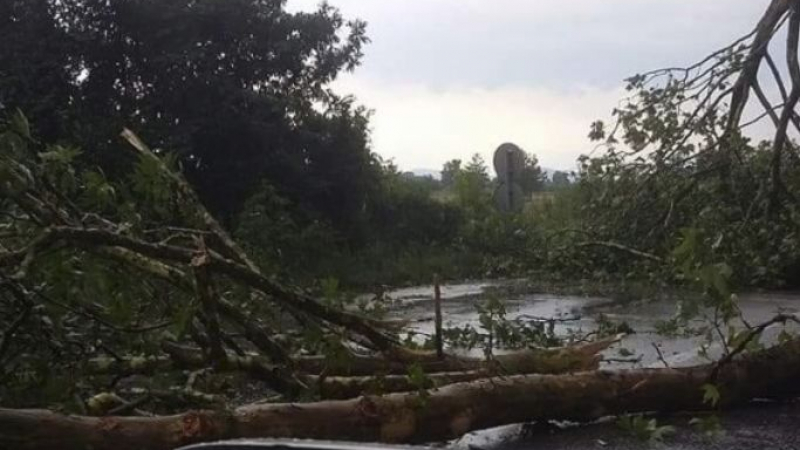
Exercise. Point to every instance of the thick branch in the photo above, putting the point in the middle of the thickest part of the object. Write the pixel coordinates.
(229, 246)
(764, 31)
(276, 376)
(618, 246)
(95, 237)
(781, 135)
(208, 301)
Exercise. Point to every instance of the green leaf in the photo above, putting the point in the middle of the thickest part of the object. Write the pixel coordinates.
(709, 426)
(20, 125)
(418, 378)
(785, 337)
(643, 429)
(710, 395)
(97, 191)
(659, 433)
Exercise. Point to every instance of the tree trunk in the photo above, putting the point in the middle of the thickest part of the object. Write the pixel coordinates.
(435, 416)
(364, 374)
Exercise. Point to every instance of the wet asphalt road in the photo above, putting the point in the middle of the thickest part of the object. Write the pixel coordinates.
(754, 427)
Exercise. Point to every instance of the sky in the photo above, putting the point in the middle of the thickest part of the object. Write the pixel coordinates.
(449, 78)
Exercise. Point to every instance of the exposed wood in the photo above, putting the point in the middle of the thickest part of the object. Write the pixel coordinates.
(342, 388)
(441, 414)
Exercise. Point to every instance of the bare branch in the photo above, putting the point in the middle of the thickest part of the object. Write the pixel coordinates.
(207, 295)
(751, 335)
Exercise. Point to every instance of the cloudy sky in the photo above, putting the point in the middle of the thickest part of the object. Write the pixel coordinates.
(449, 78)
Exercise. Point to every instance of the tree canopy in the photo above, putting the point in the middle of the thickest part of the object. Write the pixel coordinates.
(237, 89)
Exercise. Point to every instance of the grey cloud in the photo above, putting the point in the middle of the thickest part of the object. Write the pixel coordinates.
(552, 43)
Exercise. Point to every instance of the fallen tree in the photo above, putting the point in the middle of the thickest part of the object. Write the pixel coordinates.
(361, 374)
(546, 361)
(209, 324)
(434, 415)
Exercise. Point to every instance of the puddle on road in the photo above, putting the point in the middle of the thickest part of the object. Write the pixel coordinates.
(459, 302)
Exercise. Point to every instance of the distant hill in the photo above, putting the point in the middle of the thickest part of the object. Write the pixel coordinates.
(435, 174)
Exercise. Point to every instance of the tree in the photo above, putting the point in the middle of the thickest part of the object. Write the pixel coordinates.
(407, 215)
(560, 180)
(238, 89)
(472, 187)
(450, 171)
(36, 74)
(678, 156)
(477, 167)
(532, 177)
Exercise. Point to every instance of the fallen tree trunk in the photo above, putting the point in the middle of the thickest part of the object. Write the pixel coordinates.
(342, 388)
(542, 361)
(438, 415)
(384, 376)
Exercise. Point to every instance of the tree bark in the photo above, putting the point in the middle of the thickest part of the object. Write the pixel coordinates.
(377, 375)
(435, 416)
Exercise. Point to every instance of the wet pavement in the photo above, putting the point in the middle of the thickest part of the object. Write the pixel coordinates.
(754, 427)
(760, 425)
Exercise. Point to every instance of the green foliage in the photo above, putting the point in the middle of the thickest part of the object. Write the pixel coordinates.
(422, 383)
(644, 429)
(417, 227)
(710, 426)
(496, 331)
(19, 124)
(472, 188)
(237, 90)
(560, 180)
(711, 395)
(605, 326)
(532, 178)
(99, 194)
(450, 171)
(419, 379)
(672, 172)
(76, 305)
